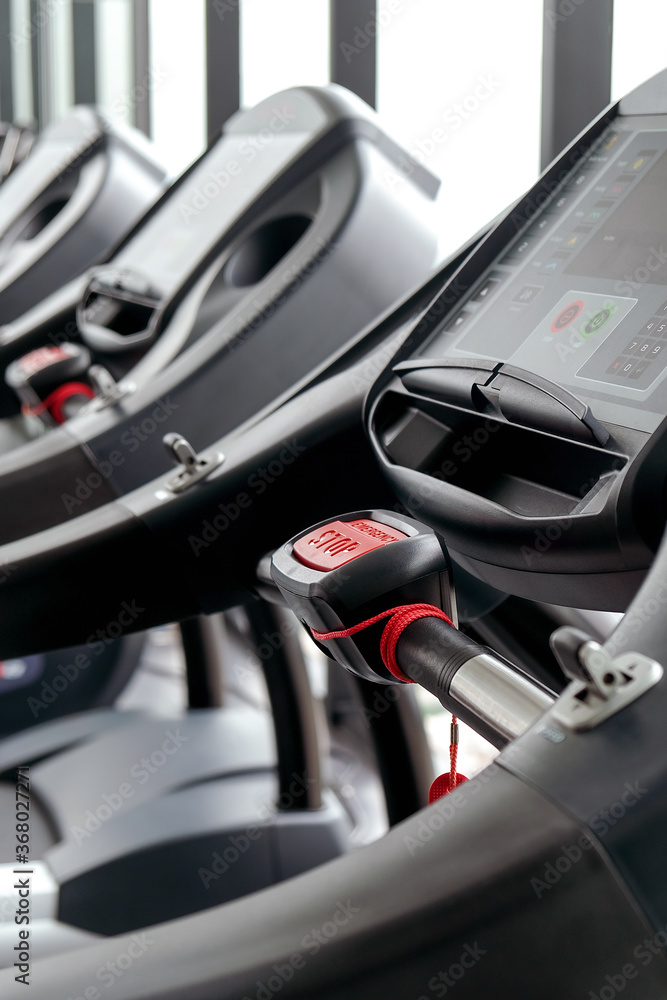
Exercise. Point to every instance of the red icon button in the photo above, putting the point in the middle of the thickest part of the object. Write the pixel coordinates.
(566, 315)
(337, 543)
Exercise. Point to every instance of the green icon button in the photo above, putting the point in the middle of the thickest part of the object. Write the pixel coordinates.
(597, 321)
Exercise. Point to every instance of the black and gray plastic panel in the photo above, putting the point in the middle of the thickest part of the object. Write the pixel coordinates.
(563, 835)
(181, 556)
(236, 179)
(166, 806)
(82, 189)
(465, 874)
(254, 272)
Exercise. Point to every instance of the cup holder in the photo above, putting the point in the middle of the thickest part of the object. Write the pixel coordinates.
(41, 219)
(263, 249)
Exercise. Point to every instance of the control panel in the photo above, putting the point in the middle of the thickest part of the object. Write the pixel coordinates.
(580, 294)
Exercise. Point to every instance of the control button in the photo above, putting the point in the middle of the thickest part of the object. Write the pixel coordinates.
(632, 346)
(613, 138)
(656, 349)
(560, 255)
(541, 226)
(561, 202)
(640, 368)
(566, 316)
(661, 329)
(662, 311)
(643, 156)
(39, 359)
(644, 347)
(527, 293)
(626, 367)
(517, 252)
(597, 321)
(649, 327)
(597, 211)
(458, 321)
(616, 366)
(563, 344)
(549, 267)
(332, 545)
(485, 289)
(572, 241)
(617, 189)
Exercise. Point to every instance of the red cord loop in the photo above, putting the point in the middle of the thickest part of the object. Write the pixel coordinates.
(399, 619)
(56, 400)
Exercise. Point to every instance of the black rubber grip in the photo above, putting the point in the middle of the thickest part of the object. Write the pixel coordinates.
(430, 652)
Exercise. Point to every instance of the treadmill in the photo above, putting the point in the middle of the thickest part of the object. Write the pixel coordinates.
(242, 259)
(520, 410)
(231, 268)
(85, 184)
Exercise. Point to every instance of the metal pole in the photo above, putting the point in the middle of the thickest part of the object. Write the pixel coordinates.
(353, 46)
(223, 64)
(83, 46)
(38, 66)
(576, 69)
(141, 59)
(6, 63)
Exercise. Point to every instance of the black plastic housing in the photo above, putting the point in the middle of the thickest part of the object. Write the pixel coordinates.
(85, 185)
(412, 570)
(540, 492)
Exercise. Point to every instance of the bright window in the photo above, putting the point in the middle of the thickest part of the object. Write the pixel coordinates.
(177, 81)
(640, 27)
(459, 84)
(282, 45)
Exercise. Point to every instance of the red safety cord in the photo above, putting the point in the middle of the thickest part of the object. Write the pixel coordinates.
(56, 400)
(448, 781)
(399, 619)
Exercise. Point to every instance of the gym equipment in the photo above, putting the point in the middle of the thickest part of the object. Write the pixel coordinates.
(183, 316)
(550, 354)
(80, 191)
(561, 839)
(245, 252)
(243, 262)
(40, 687)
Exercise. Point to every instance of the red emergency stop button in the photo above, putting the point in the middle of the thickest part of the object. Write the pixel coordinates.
(337, 543)
(40, 358)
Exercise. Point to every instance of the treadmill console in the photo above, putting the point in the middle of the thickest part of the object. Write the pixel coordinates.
(580, 295)
(524, 417)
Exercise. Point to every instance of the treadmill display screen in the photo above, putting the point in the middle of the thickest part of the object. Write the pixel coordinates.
(580, 295)
(635, 231)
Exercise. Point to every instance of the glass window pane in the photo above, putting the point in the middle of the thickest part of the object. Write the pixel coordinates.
(177, 87)
(460, 86)
(640, 27)
(62, 61)
(22, 60)
(114, 69)
(282, 45)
